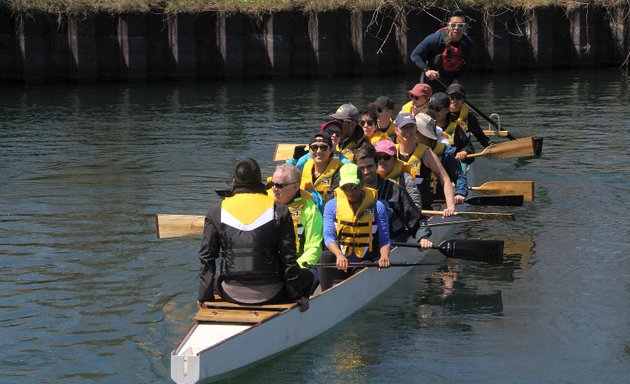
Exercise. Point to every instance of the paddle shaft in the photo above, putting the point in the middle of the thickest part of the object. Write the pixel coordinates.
(486, 117)
(477, 215)
(487, 251)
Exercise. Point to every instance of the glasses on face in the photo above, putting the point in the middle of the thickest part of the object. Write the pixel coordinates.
(457, 25)
(333, 132)
(456, 96)
(379, 110)
(437, 109)
(350, 187)
(281, 185)
(368, 122)
(315, 148)
(383, 157)
(416, 97)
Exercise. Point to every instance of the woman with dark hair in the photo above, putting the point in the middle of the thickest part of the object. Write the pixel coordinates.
(255, 237)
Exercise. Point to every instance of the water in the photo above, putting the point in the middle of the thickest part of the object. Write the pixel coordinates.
(89, 295)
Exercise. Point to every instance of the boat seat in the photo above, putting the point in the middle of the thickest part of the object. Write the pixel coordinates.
(221, 311)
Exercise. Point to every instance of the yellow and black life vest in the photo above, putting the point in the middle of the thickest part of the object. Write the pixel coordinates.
(378, 136)
(248, 227)
(415, 161)
(462, 122)
(322, 183)
(355, 230)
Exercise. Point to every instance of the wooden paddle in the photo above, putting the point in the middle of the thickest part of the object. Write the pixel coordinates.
(485, 251)
(169, 226)
(492, 132)
(476, 215)
(524, 147)
(498, 200)
(284, 151)
(525, 188)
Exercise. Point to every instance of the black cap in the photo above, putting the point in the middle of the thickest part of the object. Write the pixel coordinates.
(456, 88)
(384, 102)
(439, 99)
(320, 137)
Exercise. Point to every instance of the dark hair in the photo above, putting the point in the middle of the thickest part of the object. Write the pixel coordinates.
(365, 151)
(370, 112)
(247, 176)
(457, 13)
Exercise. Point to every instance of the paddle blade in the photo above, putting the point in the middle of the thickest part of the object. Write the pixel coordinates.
(169, 226)
(487, 251)
(493, 132)
(525, 188)
(538, 145)
(498, 200)
(284, 151)
(512, 149)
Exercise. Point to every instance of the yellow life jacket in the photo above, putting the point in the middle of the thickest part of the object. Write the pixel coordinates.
(462, 122)
(247, 211)
(355, 231)
(295, 208)
(323, 183)
(397, 173)
(415, 160)
(351, 148)
(390, 129)
(378, 136)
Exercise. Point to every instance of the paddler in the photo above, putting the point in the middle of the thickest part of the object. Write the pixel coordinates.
(355, 228)
(415, 155)
(427, 135)
(307, 220)
(333, 129)
(404, 214)
(461, 123)
(384, 107)
(351, 133)
(320, 174)
(255, 237)
(443, 56)
(367, 121)
(419, 97)
(391, 168)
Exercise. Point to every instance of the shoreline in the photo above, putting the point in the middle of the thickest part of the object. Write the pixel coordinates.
(214, 45)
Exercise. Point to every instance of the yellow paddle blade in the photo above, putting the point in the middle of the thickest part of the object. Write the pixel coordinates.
(284, 151)
(494, 132)
(525, 188)
(508, 150)
(169, 226)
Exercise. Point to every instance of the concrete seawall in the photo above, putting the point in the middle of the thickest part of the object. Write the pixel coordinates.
(38, 47)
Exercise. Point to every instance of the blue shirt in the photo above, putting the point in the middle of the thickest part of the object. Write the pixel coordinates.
(302, 160)
(330, 218)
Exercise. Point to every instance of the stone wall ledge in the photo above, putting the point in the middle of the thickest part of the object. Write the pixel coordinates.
(39, 47)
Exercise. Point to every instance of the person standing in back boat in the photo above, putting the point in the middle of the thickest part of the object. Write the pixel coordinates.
(389, 167)
(333, 129)
(355, 228)
(351, 133)
(384, 107)
(429, 187)
(404, 214)
(367, 121)
(419, 97)
(307, 220)
(415, 155)
(443, 56)
(321, 172)
(255, 237)
(461, 123)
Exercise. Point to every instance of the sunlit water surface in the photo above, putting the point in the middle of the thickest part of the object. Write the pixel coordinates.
(89, 295)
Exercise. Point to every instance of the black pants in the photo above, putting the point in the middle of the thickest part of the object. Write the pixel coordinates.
(328, 276)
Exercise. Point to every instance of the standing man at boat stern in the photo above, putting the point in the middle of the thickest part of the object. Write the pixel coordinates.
(444, 55)
(355, 228)
(255, 238)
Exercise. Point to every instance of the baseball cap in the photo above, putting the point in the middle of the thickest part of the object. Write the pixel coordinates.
(425, 125)
(456, 88)
(439, 99)
(384, 102)
(346, 112)
(320, 137)
(421, 89)
(385, 146)
(403, 119)
(348, 174)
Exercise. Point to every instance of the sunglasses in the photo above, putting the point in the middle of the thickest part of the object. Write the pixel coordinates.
(437, 109)
(368, 122)
(456, 96)
(333, 132)
(280, 185)
(416, 97)
(457, 25)
(379, 110)
(350, 187)
(386, 158)
(316, 148)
